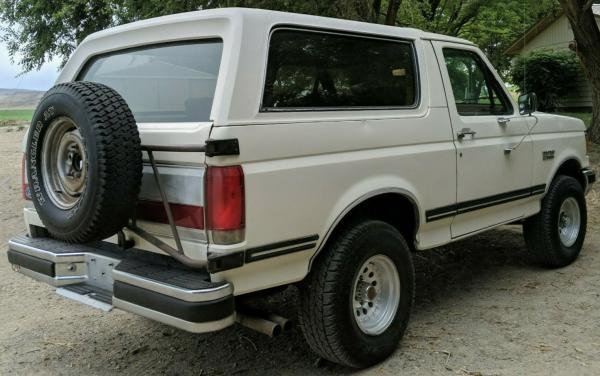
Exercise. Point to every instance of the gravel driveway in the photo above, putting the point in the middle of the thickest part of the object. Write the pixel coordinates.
(480, 309)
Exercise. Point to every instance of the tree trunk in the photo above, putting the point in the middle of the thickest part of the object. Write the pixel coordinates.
(375, 10)
(392, 12)
(587, 38)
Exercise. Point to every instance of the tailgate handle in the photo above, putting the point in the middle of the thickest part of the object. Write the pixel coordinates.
(212, 148)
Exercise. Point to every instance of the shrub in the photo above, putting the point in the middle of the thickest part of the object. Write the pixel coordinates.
(551, 74)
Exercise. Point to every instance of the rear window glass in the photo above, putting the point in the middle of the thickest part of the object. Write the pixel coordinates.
(309, 69)
(162, 83)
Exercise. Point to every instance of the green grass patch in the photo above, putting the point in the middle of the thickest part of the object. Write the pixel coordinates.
(8, 115)
(585, 116)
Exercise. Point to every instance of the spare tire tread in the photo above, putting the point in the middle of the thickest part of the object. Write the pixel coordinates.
(118, 156)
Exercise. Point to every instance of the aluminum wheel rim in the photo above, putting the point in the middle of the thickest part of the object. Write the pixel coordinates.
(376, 295)
(569, 222)
(64, 162)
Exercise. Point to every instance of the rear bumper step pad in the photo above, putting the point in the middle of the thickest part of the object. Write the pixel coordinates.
(103, 275)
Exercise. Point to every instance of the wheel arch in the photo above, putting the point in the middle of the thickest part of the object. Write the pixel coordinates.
(397, 199)
(570, 166)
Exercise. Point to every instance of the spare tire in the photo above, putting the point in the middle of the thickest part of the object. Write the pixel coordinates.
(84, 161)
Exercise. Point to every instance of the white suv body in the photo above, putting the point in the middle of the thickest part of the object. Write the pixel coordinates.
(304, 170)
(440, 165)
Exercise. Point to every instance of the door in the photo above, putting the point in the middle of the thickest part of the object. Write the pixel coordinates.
(494, 149)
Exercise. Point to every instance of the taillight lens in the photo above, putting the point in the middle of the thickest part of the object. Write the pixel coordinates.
(24, 181)
(190, 216)
(224, 204)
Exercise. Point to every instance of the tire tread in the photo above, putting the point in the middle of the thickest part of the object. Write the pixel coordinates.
(538, 229)
(318, 311)
(119, 158)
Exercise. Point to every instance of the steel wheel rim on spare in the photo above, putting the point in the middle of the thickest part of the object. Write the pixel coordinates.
(569, 221)
(64, 162)
(376, 295)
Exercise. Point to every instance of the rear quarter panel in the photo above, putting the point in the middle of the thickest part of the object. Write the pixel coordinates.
(303, 170)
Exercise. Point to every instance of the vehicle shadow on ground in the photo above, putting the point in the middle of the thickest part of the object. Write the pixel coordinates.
(441, 274)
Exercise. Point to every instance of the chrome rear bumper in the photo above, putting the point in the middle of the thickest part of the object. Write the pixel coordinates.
(104, 276)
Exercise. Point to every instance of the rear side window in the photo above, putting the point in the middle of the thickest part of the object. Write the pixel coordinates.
(162, 83)
(320, 70)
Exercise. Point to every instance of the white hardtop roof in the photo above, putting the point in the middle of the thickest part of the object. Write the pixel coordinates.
(270, 18)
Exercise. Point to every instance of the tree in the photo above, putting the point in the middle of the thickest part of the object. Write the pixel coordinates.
(492, 25)
(587, 40)
(499, 24)
(38, 30)
(551, 74)
(392, 11)
(41, 30)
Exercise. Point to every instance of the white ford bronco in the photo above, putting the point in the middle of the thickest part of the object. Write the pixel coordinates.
(185, 161)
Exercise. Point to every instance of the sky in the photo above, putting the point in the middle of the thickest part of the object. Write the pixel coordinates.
(35, 80)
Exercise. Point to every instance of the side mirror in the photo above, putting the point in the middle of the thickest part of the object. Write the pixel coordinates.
(527, 103)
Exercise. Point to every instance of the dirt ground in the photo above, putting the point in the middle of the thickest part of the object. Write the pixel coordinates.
(480, 309)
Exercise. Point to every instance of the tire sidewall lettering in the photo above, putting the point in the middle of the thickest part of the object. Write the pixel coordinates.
(44, 116)
(109, 196)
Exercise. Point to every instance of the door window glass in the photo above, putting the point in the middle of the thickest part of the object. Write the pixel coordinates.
(475, 89)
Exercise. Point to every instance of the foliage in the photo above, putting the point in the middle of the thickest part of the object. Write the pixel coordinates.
(586, 117)
(497, 27)
(587, 39)
(551, 74)
(38, 30)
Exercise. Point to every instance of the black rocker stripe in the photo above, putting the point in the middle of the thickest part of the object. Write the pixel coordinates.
(538, 189)
(481, 203)
(281, 248)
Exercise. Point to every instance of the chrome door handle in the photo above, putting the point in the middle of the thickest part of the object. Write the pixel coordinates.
(503, 121)
(465, 131)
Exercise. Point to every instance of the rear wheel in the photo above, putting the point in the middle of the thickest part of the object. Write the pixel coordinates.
(555, 235)
(356, 301)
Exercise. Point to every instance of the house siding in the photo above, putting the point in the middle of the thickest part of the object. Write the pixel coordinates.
(557, 36)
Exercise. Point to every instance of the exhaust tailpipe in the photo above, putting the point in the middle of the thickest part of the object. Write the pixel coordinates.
(285, 323)
(259, 324)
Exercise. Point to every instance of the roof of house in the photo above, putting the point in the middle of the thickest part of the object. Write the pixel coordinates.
(540, 26)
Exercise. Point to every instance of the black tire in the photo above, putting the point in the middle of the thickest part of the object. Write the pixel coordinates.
(326, 313)
(111, 161)
(541, 231)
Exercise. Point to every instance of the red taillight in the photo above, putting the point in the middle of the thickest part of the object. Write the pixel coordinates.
(189, 216)
(24, 182)
(224, 203)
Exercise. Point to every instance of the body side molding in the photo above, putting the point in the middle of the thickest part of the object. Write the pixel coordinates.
(484, 202)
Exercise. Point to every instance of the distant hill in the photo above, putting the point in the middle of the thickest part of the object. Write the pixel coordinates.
(19, 98)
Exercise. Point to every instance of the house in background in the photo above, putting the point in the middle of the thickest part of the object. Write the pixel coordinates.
(555, 32)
